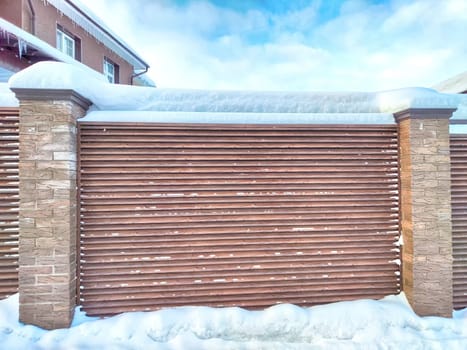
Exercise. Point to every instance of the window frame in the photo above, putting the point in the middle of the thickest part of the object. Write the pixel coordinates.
(112, 77)
(65, 41)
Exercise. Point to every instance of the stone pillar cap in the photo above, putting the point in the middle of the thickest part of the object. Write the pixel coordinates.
(52, 95)
(424, 113)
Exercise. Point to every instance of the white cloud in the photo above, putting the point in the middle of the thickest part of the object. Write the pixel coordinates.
(366, 47)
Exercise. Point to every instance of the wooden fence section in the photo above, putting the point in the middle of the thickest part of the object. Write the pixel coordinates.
(242, 215)
(459, 218)
(9, 201)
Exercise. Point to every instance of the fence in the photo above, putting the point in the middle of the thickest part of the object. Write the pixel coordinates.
(224, 215)
(179, 189)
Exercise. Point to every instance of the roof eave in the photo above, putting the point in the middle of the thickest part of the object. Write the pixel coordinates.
(144, 64)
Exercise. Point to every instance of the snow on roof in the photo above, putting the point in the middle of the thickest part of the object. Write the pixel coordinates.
(83, 16)
(26, 38)
(455, 84)
(111, 97)
(143, 80)
(7, 97)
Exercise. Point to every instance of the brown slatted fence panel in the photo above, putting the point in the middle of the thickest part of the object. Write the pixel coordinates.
(9, 201)
(225, 215)
(459, 218)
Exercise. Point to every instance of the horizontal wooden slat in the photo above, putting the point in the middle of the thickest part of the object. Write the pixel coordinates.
(148, 276)
(241, 215)
(319, 234)
(9, 200)
(142, 205)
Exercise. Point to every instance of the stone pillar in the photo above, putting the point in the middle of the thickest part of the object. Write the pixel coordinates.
(48, 205)
(425, 181)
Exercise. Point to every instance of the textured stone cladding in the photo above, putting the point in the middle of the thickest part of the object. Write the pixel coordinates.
(426, 214)
(48, 211)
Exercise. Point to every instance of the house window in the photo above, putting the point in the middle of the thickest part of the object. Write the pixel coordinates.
(111, 71)
(67, 43)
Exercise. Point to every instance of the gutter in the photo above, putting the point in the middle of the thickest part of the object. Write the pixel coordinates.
(138, 74)
(33, 18)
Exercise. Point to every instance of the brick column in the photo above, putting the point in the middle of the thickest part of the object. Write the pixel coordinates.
(425, 181)
(48, 205)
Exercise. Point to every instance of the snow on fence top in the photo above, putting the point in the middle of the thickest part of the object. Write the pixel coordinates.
(186, 104)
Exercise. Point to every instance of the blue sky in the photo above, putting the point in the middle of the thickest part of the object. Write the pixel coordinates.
(314, 45)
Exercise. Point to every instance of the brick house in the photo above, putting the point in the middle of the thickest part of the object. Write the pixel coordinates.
(64, 30)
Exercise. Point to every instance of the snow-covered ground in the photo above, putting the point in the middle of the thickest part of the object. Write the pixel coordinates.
(363, 324)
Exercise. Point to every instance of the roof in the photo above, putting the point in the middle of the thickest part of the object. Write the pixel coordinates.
(83, 16)
(454, 85)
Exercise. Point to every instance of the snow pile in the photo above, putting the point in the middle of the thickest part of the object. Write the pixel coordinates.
(364, 324)
(401, 99)
(109, 97)
(7, 97)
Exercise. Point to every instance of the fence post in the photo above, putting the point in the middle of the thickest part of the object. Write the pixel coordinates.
(48, 208)
(425, 180)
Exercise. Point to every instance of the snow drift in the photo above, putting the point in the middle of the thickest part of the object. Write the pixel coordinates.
(363, 324)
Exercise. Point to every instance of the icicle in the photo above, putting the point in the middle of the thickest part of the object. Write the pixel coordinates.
(22, 47)
(90, 28)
